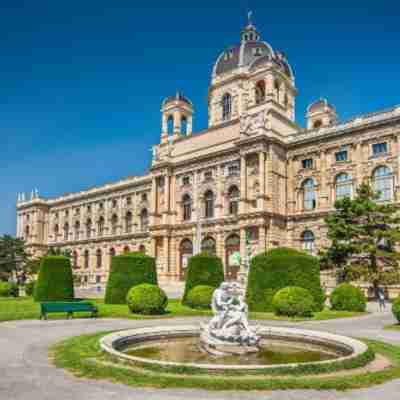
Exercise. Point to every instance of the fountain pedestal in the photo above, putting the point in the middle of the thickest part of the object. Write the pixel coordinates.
(229, 332)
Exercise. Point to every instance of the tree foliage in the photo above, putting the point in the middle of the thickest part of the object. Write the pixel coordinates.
(364, 237)
(12, 257)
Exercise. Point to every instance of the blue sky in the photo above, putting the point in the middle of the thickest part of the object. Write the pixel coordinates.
(81, 82)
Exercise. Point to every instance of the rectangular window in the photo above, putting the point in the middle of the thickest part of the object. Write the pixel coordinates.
(186, 180)
(307, 163)
(208, 176)
(233, 170)
(379, 148)
(98, 279)
(341, 156)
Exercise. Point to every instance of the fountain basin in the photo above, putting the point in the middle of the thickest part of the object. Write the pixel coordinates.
(130, 345)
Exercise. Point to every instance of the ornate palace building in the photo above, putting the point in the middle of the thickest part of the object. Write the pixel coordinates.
(255, 179)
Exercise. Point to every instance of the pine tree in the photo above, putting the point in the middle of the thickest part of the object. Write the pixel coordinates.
(364, 237)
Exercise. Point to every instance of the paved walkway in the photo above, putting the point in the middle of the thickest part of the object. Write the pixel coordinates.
(27, 373)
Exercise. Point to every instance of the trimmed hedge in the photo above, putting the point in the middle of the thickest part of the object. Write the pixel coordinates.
(30, 288)
(8, 289)
(277, 269)
(346, 297)
(293, 301)
(128, 270)
(203, 269)
(396, 309)
(55, 281)
(200, 297)
(147, 299)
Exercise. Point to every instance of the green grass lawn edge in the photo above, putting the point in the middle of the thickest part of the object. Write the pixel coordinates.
(77, 355)
(392, 327)
(13, 309)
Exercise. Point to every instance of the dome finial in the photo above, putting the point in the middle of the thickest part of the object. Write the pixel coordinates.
(249, 18)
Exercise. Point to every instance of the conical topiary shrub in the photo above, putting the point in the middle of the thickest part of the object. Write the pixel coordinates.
(55, 281)
(128, 270)
(203, 269)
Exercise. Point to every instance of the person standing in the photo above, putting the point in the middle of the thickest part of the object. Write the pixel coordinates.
(381, 299)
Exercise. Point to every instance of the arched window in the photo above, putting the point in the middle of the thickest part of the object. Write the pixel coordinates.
(186, 251)
(226, 106)
(170, 125)
(128, 222)
(126, 249)
(343, 186)
(99, 257)
(208, 246)
(27, 230)
(56, 231)
(75, 259)
(112, 254)
(233, 195)
(114, 224)
(77, 230)
(86, 259)
(144, 220)
(308, 242)
(66, 231)
(184, 125)
(317, 124)
(142, 249)
(260, 92)
(277, 87)
(309, 202)
(382, 183)
(187, 207)
(89, 228)
(100, 226)
(209, 204)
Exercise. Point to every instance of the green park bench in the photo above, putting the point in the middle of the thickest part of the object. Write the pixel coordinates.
(69, 307)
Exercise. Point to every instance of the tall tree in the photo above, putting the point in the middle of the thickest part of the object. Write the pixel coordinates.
(364, 237)
(12, 257)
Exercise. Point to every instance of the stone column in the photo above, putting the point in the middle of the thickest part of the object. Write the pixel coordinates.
(153, 201)
(220, 197)
(243, 185)
(359, 166)
(261, 159)
(262, 247)
(323, 195)
(243, 249)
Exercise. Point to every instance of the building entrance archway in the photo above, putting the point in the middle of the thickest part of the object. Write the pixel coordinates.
(185, 251)
(232, 257)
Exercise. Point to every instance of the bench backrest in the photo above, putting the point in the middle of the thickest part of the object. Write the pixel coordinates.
(60, 306)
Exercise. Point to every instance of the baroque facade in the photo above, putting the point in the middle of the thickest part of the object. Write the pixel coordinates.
(255, 179)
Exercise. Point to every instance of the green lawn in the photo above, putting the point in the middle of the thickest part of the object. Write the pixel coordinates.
(394, 327)
(26, 308)
(83, 357)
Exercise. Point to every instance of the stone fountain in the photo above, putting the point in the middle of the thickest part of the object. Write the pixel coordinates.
(229, 332)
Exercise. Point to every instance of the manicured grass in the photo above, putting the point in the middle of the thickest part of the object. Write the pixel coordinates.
(26, 308)
(394, 327)
(79, 355)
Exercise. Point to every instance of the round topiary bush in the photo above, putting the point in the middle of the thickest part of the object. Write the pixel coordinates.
(293, 301)
(203, 269)
(147, 299)
(55, 280)
(200, 297)
(128, 270)
(396, 309)
(346, 297)
(280, 268)
(30, 288)
(8, 289)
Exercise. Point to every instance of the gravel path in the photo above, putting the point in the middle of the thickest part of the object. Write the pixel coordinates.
(26, 373)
